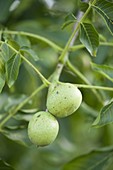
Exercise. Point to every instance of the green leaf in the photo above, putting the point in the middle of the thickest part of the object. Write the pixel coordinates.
(17, 134)
(67, 23)
(89, 37)
(26, 114)
(5, 51)
(2, 83)
(69, 19)
(22, 41)
(102, 38)
(12, 69)
(88, 110)
(9, 102)
(2, 73)
(0, 34)
(14, 44)
(4, 12)
(29, 52)
(95, 160)
(83, 6)
(105, 70)
(14, 5)
(105, 116)
(5, 166)
(33, 110)
(25, 117)
(105, 9)
(12, 100)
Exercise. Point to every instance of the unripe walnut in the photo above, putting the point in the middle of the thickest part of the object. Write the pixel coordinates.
(63, 99)
(43, 128)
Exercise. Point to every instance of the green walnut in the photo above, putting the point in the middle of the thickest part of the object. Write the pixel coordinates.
(43, 128)
(63, 99)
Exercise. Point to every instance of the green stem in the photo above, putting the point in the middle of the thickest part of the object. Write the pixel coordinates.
(56, 74)
(82, 77)
(77, 72)
(106, 44)
(44, 80)
(66, 49)
(94, 87)
(65, 53)
(21, 105)
(77, 47)
(55, 46)
(81, 46)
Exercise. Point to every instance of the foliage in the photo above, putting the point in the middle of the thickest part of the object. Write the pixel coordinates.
(42, 42)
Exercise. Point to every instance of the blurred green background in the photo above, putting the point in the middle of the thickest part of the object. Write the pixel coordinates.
(76, 136)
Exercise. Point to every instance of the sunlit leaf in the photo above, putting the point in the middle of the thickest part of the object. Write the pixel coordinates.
(12, 69)
(105, 9)
(105, 116)
(5, 166)
(29, 52)
(89, 37)
(105, 70)
(95, 160)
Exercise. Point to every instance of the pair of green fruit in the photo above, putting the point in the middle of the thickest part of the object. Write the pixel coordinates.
(63, 99)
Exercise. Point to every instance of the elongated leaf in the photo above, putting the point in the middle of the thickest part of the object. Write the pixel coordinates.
(83, 6)
(5, 51)
(14, 5)
(89, 37)
(2, 73)
(2, 83)
(25, 117)
(29, 52)
(29, 111)
(12, 101)
(105, 116)
(95, 160)
(105, 70)
(4, 12)
(69, 19)
(25, 114)
(105, 9)
(89, 111)
(67, 23)
(12, 69)
(5, 166)
(14, 44)
(17, 134)
(0, 34)
(22, 41)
